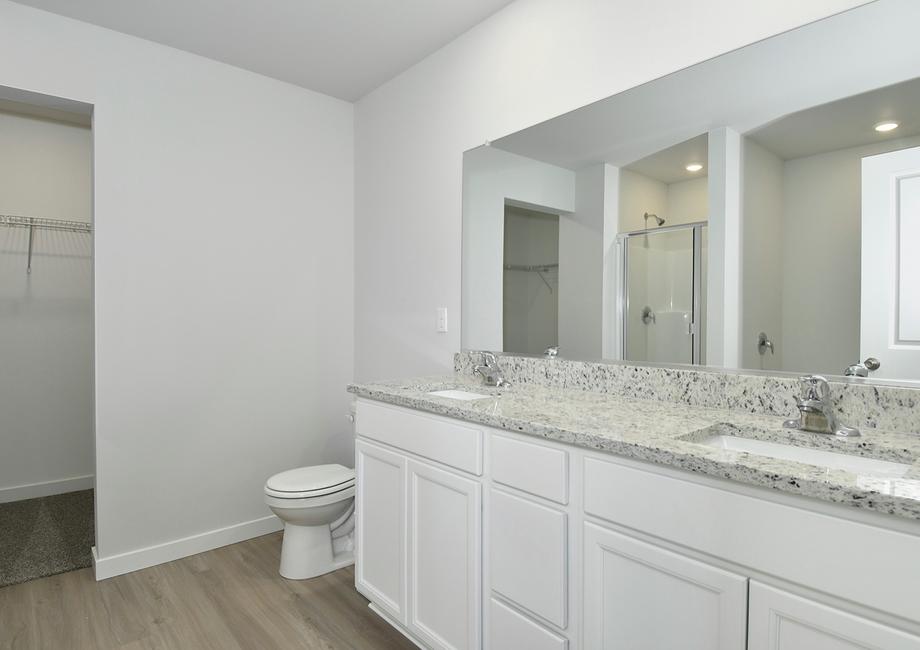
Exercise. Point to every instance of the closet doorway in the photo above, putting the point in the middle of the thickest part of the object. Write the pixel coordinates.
(47, 457)
(530, 284)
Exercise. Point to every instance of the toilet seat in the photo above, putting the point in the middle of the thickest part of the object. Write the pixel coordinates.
(310, 482)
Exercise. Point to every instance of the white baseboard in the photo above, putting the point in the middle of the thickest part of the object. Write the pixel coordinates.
(46, 488)
(116, 565)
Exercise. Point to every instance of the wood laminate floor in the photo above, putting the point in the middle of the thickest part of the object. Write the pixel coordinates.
(227, 599)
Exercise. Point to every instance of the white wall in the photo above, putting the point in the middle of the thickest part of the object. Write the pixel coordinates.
(529, 62)
(677, 203)
(801, 262)
(494, 178)
(223, 277)
(763, 237)
(46, 319)
(581, 265)
(688, 201)
(640, 194)
(821, 257)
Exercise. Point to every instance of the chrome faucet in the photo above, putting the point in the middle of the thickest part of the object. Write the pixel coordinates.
(816, 411)
(490, 371)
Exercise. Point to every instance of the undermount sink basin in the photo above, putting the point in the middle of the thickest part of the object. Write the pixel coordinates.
(466, 396)
(820, 457)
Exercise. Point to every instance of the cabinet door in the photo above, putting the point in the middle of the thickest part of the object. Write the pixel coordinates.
(783, 621)
(380, 528)
(444, 557)
(642, 597)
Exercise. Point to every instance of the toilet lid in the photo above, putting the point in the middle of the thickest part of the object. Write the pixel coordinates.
(316, 478)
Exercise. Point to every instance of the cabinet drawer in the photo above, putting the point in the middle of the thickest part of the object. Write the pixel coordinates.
(529, 555)
(440, 439)
(510, 629)
(531, 467)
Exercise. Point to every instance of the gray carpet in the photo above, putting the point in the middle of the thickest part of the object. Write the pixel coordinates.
(41, 537)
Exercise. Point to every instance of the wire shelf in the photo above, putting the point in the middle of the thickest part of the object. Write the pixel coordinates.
(40, 223)
(14, 221)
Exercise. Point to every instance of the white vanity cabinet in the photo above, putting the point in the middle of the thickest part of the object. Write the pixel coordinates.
(471, 537)
(418, 525)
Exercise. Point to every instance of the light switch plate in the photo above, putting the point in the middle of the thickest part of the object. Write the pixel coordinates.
(442, 319)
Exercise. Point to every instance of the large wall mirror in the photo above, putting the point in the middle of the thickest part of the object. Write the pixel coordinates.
(760, 210)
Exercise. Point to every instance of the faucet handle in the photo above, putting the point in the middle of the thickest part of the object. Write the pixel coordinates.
(488, 359)
(815, 388)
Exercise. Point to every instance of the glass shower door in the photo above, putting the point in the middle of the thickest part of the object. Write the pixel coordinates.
(664, 292)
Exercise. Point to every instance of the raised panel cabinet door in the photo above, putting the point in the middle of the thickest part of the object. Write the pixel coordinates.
(381, 528)
(528, 554)
(783, 621)
(445, 558)
(643, 597)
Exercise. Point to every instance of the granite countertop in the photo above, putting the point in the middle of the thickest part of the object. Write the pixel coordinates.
(669, 433)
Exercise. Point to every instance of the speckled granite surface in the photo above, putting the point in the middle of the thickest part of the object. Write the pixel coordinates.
(670, 433)
(861, 405)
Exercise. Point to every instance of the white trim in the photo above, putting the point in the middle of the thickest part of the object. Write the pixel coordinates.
(723, 299)
(47, 488)
(115, 565)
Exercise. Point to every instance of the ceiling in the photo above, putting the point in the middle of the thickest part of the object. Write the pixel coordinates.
(845, 123)
(343, 48)
(669, 165)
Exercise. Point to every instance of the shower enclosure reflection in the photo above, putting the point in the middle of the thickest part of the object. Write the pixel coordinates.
(664, 290)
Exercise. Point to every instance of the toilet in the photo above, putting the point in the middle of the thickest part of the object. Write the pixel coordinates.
(316, 505)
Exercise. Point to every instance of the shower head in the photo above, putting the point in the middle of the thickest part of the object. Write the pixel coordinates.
(658, 219)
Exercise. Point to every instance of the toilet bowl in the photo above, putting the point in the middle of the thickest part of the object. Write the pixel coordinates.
(311, 501)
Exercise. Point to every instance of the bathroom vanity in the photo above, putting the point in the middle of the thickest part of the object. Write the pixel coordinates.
(550, 518)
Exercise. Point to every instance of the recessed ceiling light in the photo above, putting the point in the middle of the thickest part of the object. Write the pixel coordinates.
(693, 167)
(885, 127)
